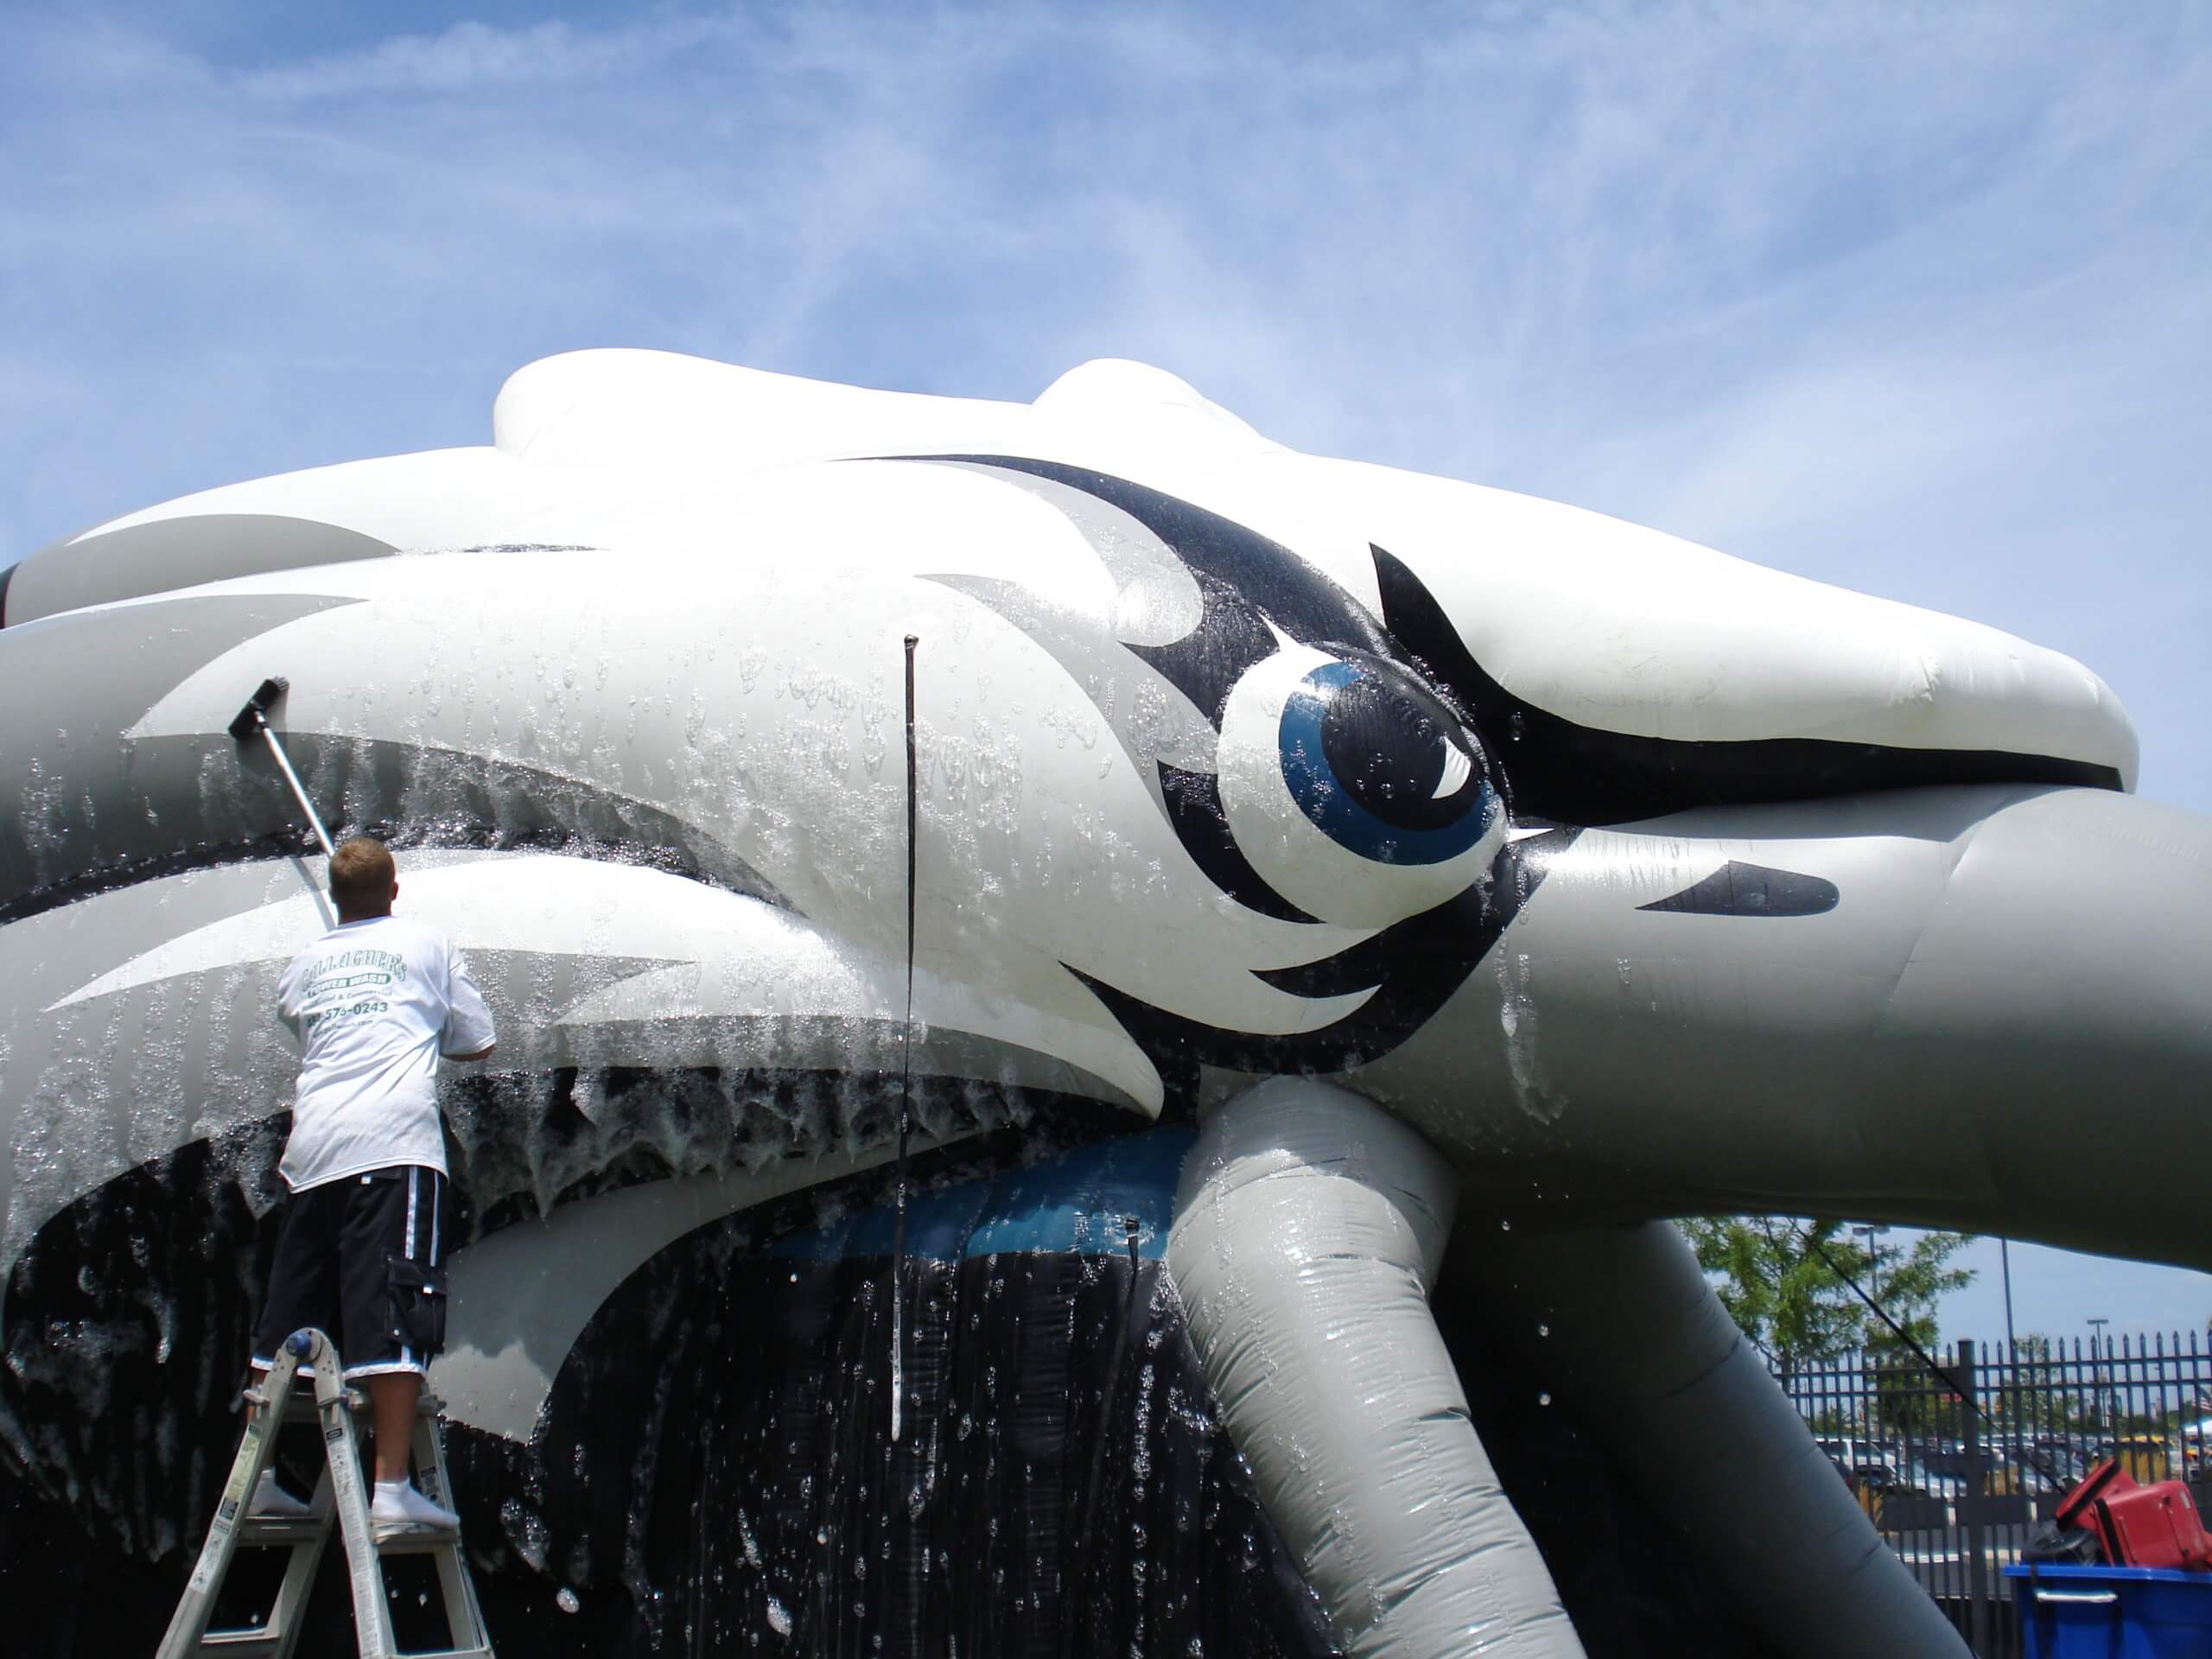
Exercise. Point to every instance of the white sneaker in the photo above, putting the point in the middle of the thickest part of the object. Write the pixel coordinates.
(272, 1503)
(399, 1511)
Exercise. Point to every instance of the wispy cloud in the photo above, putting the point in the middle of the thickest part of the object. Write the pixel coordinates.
(471, 58)
(1906, 298)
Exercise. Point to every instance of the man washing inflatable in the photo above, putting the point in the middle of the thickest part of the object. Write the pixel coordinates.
(374, 1003)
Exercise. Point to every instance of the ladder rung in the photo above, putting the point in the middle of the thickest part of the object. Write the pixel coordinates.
(418, 1543)
(267, 1533)
(243, 1644)
(252, 1644)
(272, 1533)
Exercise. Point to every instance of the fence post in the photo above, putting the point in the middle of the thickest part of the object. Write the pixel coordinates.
(1972, 1504)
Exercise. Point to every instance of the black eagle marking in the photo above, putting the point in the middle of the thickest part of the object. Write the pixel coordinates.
(1740, 889)
(1414, 968)
(1244, 580)
(1551, 768)
(1194, 813)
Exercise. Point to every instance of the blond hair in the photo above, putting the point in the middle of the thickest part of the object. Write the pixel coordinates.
(361, 875)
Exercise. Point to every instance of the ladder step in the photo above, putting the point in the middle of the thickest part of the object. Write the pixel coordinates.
(243, 1644)
(418, 1543)
(254, 1644)
(273, 1533)
(268, 1533)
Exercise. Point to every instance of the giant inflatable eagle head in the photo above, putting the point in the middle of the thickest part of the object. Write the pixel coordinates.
(1631, 879)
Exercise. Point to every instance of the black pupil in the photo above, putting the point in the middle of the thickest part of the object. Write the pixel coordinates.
(1386, 745)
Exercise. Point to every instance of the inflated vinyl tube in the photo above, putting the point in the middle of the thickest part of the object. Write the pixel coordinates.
(1638, 1345)
(1309, 1225)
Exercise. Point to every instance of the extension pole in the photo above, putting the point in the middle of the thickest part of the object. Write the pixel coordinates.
(254, 718)
(299, 794)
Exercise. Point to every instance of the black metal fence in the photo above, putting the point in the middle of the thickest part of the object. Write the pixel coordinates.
(1958, 1465)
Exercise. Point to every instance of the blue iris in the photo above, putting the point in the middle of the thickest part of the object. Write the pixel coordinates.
(1381, 768)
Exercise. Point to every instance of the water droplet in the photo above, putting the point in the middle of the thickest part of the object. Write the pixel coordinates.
(566, 1600)
(1543, 1330)
(1544, 1399)
(779, 1620)
(1504, 1226)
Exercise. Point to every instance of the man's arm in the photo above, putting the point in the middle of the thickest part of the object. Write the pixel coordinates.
(288, 1007)
(468, 1035)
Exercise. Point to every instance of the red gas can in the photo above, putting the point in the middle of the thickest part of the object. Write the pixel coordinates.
(2156, 1525)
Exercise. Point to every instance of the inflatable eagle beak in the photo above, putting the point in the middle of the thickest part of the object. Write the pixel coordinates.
(1439, 852)
(1976, 1007)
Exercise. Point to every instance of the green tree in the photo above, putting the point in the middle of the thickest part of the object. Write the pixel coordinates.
(2040, 1403)
(1773, 1274)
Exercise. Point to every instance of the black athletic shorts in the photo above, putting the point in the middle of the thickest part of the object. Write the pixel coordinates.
(362, 1257)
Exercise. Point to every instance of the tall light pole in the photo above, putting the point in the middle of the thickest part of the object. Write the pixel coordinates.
(2005, 1257)
(2010, 1374)
(1873, 1259)
(2097, 1376)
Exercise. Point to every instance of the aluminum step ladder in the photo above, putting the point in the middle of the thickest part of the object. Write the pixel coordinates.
(340, 1502)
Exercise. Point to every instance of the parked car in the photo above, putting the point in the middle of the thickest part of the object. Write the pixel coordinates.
(1945, 1457)
(1918, 1477)
(1919, 1499)
(2197, 1449)
(1863, 1464)
(2069, 1455)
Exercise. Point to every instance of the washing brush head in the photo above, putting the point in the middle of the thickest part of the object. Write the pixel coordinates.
(252, 718)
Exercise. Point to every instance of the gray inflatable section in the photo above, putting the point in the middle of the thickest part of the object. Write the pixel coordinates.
(152, 558)
(1704, 1431)
(1308, 1226)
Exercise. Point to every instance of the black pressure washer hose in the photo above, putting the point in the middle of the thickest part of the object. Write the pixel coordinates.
(905, 1081)
(2025, 1454)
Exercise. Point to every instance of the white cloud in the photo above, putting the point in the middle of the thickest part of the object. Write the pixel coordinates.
(1906, 299)
(473, 58)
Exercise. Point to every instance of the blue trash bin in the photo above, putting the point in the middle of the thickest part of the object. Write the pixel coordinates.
(2113, 1612)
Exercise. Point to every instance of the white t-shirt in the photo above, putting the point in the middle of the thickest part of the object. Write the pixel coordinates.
(374, 1003)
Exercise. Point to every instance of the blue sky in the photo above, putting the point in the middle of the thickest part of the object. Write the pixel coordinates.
(1912, 299)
